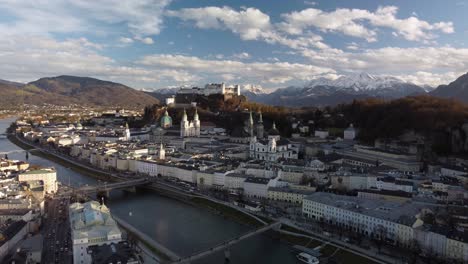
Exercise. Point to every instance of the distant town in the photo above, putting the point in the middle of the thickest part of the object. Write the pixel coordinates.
(327, 194)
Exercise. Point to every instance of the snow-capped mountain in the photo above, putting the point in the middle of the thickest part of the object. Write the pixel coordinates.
(360, 82)
(253, 88)
(168, 91)
(428, 88)
(324, 91)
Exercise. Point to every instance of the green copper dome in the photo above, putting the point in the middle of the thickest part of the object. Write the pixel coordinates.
(166, 120)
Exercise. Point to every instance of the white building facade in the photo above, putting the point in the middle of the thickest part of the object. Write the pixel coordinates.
(47, 176)
(91, 224)
(190, 129)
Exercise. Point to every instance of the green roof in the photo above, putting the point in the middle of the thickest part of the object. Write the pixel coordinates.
(38, 171)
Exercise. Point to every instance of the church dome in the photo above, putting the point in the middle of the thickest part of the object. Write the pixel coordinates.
(166, 120)
(273, 131)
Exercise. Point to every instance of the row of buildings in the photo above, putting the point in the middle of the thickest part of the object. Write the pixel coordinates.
(22, 194)
(399, 223)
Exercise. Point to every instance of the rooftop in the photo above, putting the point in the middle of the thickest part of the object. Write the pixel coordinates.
(257, 180)
(113, 253)
(238, 175)
(403, 213)
(91, 220)
(41, 171)
(388, 192)
(290, 190)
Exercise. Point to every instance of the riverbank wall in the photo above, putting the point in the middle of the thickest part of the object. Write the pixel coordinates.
(164, 255)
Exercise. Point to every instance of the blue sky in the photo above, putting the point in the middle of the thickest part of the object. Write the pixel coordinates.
(150, 44)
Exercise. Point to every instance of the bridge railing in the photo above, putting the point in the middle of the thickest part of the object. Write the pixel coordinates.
(227, 242)
(112, 185)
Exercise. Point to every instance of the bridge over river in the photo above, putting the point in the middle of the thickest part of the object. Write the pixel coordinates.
(226, 244)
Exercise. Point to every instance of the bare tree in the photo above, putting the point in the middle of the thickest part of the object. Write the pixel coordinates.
(381, 233)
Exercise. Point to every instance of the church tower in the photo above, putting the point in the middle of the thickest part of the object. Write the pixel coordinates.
(272, 145)
(260, 127)
(162, 152)
(127, 132)
(196, 123)
(251, 125)
(184, 125)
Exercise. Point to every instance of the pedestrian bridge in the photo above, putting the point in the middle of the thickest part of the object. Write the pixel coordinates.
(228, 243)
(106, 187)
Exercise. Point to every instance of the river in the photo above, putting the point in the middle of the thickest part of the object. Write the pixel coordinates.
(180, 227)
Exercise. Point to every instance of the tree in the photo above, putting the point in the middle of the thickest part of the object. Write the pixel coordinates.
(416, 249)
(380, 234)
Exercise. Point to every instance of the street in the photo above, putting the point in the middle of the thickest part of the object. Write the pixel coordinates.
(56, 230)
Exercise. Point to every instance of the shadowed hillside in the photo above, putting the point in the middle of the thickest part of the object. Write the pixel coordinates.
(66, 90)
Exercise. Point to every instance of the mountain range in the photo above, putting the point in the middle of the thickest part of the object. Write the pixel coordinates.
(457, 89)
(324, 91)
(66, 90)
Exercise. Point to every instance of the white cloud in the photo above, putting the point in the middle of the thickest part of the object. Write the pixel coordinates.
(429, 78)
(340, 20)
(125, 40)
(27, 58)
(352, 46)
(413, 59)
(351, 22)
(279, 72)
(147, 40)
(311, 3)
(228, 77)
(241, 56)
(422, 65)
(249, 23)
(142, 18)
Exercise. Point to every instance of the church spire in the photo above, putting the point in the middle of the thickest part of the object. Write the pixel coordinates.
(195, 116)
(274, 125)
(260, 125)
(162, 152)
(251, 119)
(184, 116)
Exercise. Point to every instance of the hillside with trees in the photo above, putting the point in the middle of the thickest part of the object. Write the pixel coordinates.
(67, 90)
(437, 119)
(388, 119)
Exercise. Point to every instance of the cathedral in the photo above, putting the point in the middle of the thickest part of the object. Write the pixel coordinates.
(243, 134)
(272, 148)
(190, 129)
